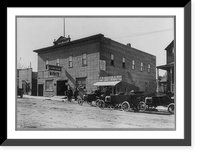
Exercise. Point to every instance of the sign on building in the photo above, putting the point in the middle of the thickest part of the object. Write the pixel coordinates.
(110, 78)
(54, 68)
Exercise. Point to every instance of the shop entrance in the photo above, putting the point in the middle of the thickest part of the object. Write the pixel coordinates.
(40, 90)
(61, 88)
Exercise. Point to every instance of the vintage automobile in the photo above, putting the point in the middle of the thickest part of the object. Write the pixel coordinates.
(89, 98)
(166, 100)
(126, 102)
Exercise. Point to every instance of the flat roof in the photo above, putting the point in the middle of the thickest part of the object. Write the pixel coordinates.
(69, 43)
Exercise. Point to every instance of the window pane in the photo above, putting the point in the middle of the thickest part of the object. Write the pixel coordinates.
(112, 57)
(133, 64)
(70, 58)
(49, 85)
(84, 56)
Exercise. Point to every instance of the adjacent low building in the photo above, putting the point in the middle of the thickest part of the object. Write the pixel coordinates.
(27, 81)
(86, 61)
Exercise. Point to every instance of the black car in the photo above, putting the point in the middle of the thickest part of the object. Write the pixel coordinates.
(125, 101)
(161, 100)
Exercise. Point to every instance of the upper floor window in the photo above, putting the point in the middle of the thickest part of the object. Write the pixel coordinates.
(149, 68)
(47, 62)
(84, 59)
(133, 64)
(112, 59)
(58, 62)
(70, 61)
(123, 62)
(141, 67)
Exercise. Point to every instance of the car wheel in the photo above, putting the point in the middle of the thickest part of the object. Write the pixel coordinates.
(141, 107)
(97, 102)
(80, 101)
(171, 108)
(101, 104)
(125, 106)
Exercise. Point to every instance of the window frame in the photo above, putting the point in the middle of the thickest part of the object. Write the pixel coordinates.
(70, 62)
(123, 62)
(141, 66)
(149, 68)
(46, 64)
(112, 59)
(133, 65)
(57, 62)
(84, 59)
(50, 86)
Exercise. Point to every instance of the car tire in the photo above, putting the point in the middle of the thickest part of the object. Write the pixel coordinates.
(171, 107)
(101, 104)
(141, 107)
(80, 101)
(125, 106)
(97, 102)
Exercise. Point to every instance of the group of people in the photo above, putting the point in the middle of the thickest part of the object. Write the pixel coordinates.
(105, 92)
(70, 94)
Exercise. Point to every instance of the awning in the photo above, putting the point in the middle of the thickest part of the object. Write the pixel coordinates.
(166, 67)
(107, 83)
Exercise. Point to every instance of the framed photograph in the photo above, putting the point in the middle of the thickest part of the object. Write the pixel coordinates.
(98, 76)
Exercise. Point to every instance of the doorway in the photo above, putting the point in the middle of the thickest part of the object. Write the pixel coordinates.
(40, 90)
(61, 88)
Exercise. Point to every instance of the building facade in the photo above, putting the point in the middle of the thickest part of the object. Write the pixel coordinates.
(84, 61)
(169, 68)
(27, 81)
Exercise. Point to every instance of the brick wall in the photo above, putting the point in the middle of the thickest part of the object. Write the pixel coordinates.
(89, 71)
(128, 74)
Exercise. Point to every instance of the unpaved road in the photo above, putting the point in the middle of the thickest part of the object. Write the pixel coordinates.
(47, 114)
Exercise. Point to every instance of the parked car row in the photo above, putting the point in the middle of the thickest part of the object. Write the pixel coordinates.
(128, 101)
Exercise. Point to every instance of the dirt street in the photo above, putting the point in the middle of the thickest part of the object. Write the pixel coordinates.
(47, 114)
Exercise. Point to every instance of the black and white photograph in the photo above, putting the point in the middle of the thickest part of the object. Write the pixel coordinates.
(98, 76)
(95, 73)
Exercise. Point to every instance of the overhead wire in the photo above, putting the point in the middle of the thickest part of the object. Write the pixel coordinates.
(146, 33)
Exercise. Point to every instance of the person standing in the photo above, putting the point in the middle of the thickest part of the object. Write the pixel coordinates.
(70, 94)
(75, 94)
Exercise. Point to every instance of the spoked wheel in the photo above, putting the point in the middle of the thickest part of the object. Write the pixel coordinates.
(80, 101)
(101, 104)
(125, 106)
(141, 107)
(171, 108)
(97, 102)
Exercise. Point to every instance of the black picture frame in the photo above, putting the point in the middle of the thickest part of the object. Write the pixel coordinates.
(125, 142)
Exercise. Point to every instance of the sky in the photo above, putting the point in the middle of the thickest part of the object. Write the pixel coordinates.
(149, 34)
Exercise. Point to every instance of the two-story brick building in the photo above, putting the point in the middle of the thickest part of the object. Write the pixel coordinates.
(84, 61)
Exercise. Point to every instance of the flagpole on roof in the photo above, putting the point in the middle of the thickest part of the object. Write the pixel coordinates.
(64, 27)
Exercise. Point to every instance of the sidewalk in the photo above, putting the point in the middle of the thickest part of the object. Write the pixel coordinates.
(54, 98)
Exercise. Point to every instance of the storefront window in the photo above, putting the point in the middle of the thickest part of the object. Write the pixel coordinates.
(49, 85)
